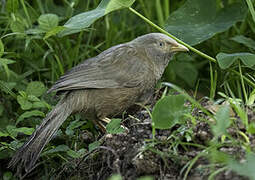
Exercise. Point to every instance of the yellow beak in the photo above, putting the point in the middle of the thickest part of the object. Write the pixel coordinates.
(178, 47)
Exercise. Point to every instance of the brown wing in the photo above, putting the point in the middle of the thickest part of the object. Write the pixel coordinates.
(117, 67)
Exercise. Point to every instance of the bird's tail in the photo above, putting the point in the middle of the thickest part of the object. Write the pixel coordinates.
(28, 154)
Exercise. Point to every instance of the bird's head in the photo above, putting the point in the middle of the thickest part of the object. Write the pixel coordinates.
(158, 46)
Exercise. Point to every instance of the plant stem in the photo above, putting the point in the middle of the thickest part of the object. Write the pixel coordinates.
(170, 35)
(251, 8)
(159, 13)
(245, 78)
(242, 82)
(166, 7)
(26, 12)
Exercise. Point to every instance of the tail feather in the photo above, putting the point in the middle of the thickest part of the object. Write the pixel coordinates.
(28, 154)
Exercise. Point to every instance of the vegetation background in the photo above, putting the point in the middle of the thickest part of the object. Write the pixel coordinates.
(40, 40)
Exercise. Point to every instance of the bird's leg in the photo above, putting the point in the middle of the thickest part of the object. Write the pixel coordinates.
(100, 125)
(99, 122)
(106, 120)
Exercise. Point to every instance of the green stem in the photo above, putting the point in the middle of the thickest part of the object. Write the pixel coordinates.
(211, 177)
(242, 82)
(170, 35)
(166, 6)
(26, 12)
(245, 78)
(159, 13)
(61, 69)
(251, 8)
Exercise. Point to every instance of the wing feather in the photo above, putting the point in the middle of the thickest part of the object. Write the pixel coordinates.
(117, 67)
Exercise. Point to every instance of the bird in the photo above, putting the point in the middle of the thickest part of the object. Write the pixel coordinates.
(101, 87)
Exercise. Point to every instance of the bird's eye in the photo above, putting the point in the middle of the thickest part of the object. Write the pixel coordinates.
(160, 44)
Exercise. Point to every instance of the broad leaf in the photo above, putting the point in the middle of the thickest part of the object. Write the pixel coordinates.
(114, 127)
(74, 124)
(25, 130)
(48, 21)
(116, 177)
(35, 88)
(76, 154)
(18, 26)
(11, 130)
(84, 20)
(244, 40)
(24, 103)
(94, 145)
(28, 114)
(222, 121)
(245, 168)
(53, 31)
(226, 60)
(251, 128)
(3, 134)
(59, 148)
(185, 70)
(168, 111)
(4, 61)
(199, 20)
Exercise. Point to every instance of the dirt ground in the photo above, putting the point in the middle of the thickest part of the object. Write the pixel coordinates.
(133, 154)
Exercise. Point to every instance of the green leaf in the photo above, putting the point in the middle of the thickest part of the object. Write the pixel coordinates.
(35, 88)
(7, 87)
(246, 168)
(3, 134)
(251, 128)
(11, 130)
(33, 98)
(17, 26)
(75, 154)
(222, 121)
(53, 31)
(12, 6)
(114, 127)
(115, 177)
(94, 145)
(145, 178)
(186, 71)
(241, 112)
(244, 40)
(8, 176)
(59, 148)
(4, 61)
(199, 20)
(251, 98)
(24, 103)
(73, 125)
(35, 31)
(25, 130)
(1, 48)
(28, 114)
(81, 21)
(168, 111)
(48, 21)
(226, 60)
(40, 104)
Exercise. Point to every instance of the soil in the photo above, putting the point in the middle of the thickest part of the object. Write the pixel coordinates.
(133, 154)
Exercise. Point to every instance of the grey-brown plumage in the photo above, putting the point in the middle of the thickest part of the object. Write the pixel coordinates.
(103, 86)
